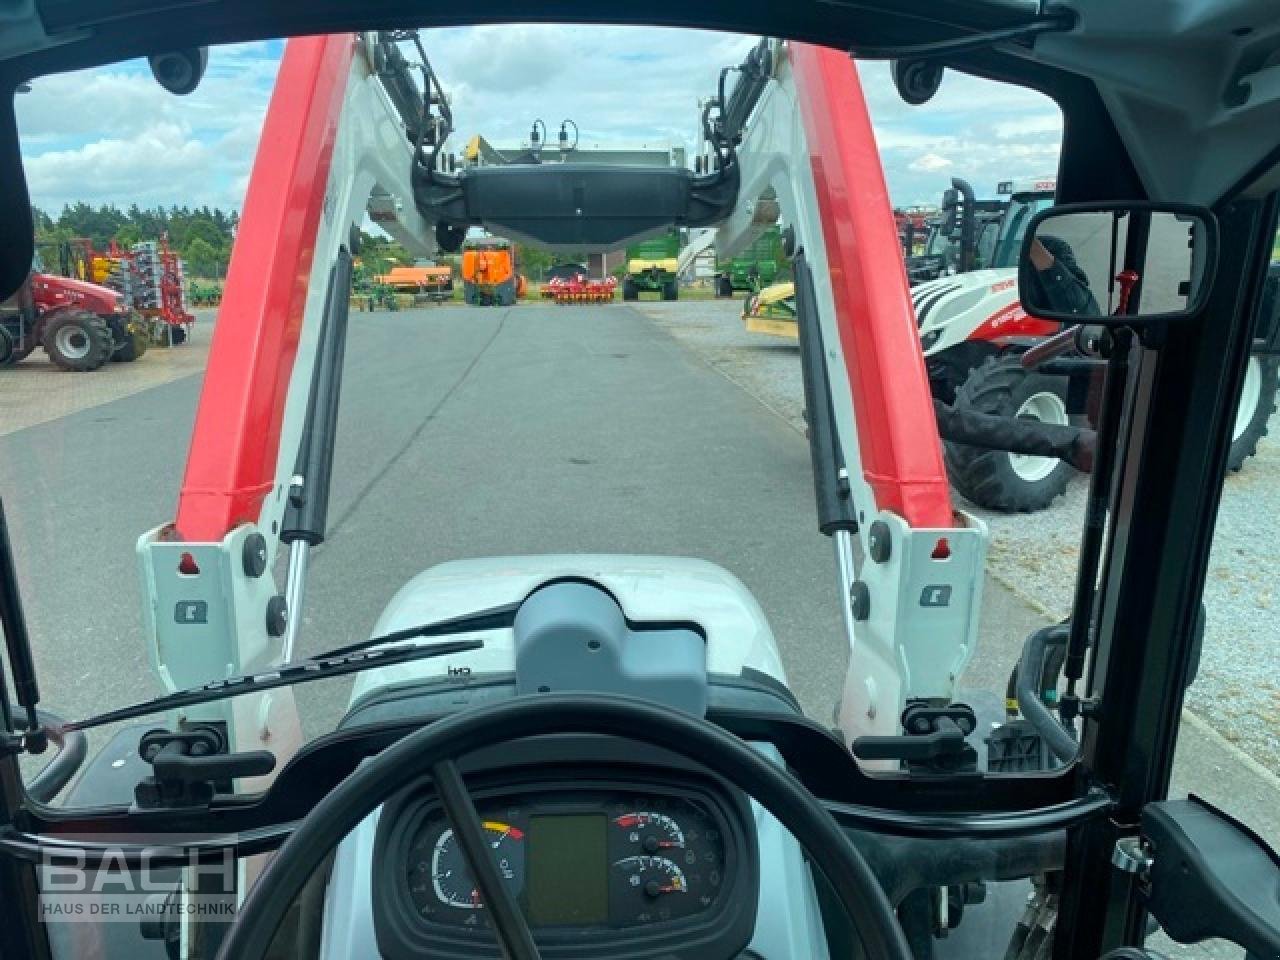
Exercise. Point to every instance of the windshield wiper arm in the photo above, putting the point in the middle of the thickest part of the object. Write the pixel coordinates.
(352, 658)
(495, 618)
(323, 666)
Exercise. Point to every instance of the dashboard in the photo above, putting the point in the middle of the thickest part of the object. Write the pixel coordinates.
(602, 863)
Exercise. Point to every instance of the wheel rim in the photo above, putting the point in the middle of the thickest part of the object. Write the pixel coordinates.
(73, 343)
(1045, 407)
(1250, 396)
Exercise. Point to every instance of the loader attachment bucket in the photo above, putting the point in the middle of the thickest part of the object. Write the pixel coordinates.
(580, 206)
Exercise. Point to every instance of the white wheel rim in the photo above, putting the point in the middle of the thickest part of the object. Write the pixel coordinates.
(72, 342)
(1250, 396)
(1046, 407)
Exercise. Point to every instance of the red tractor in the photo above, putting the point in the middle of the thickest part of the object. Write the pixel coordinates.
(80, 325)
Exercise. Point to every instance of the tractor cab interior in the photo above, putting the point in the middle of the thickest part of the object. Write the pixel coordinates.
(609, 753)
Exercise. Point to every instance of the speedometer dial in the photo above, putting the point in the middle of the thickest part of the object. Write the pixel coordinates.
(441, 884)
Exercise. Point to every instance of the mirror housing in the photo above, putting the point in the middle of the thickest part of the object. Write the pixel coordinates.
(180, 71)
(1210, 877)
(1118, 263)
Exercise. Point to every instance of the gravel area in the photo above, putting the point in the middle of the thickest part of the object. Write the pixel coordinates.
(1035, 555)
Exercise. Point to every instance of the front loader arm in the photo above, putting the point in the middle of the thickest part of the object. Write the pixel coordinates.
(333, 146)
(910, 598)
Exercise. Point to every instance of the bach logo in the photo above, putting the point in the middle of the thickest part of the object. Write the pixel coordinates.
(133, 880)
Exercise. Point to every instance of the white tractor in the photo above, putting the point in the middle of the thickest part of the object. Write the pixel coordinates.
(972, 330)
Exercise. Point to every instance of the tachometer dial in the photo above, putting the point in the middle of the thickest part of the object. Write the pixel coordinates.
(439, 876)
(651, 832)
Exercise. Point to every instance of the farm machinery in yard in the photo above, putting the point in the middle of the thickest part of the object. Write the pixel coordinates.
(80, 325)
(578, 289)
(975, 333)
(149, 276)
(490, 273)
(576, 756)
(424, 280)
(915, 224)
(753, 267)
(153, 277)
(962, 237)
(652, 267)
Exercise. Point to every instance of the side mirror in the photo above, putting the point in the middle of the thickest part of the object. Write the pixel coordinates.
(1100, 263)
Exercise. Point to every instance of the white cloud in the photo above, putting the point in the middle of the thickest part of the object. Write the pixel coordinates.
(1049, 123)
(139, 144)
(987, 131)
(929, 163)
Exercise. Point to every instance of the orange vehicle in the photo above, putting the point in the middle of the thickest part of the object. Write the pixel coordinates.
(490, 273)
(429, 279)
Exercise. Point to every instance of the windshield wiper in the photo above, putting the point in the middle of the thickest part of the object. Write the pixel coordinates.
(495, 618)
(304, 671)
(353, 658)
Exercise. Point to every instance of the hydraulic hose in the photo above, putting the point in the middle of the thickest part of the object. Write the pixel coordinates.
(1073, 445)
(72, 747)
(1030, 695)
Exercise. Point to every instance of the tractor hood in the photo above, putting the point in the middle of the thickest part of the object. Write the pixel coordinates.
(938, 302)
(649, 589)
(91, 296)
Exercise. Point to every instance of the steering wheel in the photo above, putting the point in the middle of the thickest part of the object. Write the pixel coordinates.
(433, 750)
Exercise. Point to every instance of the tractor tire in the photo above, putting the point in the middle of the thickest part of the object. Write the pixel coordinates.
(996, 479)
(629, 291)
(10, 352)
(1257, 404)
(77, 340)
(670, 290)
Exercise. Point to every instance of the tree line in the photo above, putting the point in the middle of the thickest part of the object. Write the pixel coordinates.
(202, 236)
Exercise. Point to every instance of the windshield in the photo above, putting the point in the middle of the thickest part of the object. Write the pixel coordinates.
(1014, 227)
(646, 427)
(988, 235)
(940, 243)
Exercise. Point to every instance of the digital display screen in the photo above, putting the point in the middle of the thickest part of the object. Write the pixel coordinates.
(568, 869)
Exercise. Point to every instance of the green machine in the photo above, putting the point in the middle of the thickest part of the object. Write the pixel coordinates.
(753, 268)
(651, 267)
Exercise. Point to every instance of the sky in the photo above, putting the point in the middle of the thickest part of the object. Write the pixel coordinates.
(112, 135)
